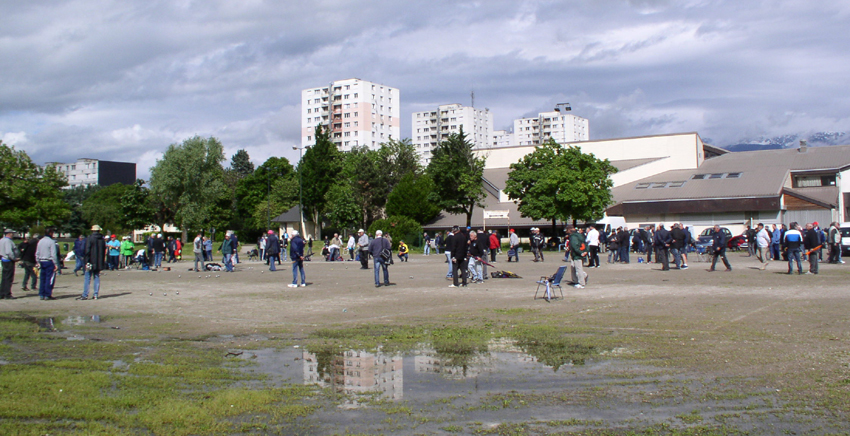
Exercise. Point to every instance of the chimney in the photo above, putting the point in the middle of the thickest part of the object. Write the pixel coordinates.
(803, 146)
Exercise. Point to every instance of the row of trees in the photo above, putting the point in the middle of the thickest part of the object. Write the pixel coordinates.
(191, 188)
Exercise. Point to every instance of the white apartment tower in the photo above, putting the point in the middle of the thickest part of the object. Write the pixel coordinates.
(358, 113)
(429, 128)
(563, 128)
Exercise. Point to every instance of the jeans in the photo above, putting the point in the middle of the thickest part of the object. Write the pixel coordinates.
(272, 259)
(475, 267)
(677, 256)
(80, 265)
(157, 259)
(87, 280)
(624, 254)
(296, 266)
(449, 258)
(113, 261)
(228, 262)
(47, 279)
(813, 261)
(794, 255)
(334, 254)
(774, 251)
(8, 278)
(29, 275)
(380, 265)
(199, 257)
(403, 257)
(722, 254)
(427, 248)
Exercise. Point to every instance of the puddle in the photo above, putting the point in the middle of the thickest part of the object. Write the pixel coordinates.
(49, 324)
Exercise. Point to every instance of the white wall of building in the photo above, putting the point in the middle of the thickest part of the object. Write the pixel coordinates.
(83, 172)
(359, 113)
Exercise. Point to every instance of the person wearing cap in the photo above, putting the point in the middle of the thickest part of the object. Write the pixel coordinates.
(578, 251)
(198, 251)
(537, 244)
(45, 253)
(27, 249)
(93, 257)
(403, 252)
(514, 246)
(459, 248)
(350, 246)
(363, 246)
(114, 248)
(296, 255)
(9, 254)
(272, 249)
(158, 245)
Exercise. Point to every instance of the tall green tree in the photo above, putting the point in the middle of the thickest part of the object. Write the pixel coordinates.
(266, 193)
(560, 183)
(410, 198)
(30, 194)
(189, 180)
(75, 197)
(319, 169)
(104, 208)
(241, 163)
(141, 209)
(458, 176)
(344, 211)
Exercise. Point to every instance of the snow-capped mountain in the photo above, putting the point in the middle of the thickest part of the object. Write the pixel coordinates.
(819, 139)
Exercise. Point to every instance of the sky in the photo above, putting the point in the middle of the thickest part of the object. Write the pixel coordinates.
(123, 79)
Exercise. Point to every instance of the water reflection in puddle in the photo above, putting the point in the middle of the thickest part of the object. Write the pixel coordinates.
(421, 375)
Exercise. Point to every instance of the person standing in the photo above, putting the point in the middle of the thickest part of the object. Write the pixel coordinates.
(158, 251)
(592, 240)
(208, 249)
(776, 242)
(226, 250)
(296, 255)
(495, 245)
(662, 243)
(763, 241)
(476, 251)
(198, 250)
(27, 251)
(363, 247)
(9, 254)
(794, 245)
(812, 242)
(235, 241)
(128, 249)
(514, 246)
(447, 242)
(352, 243)
(834, 243)
(648, 242)
(718, 247)
(335, 245)
(80, 254)
(114, 249)
(376, 248)
(678, 244)
(427, 240)
(45, 252)
(536, 243)
(623, 242)
(578, 251)
(272, 249)
(93, 256)
(458, 250)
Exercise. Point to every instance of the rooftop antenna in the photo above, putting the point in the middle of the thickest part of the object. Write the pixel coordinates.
(563, 107)
(472, 97)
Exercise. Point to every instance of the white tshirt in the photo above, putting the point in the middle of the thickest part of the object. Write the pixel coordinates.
(592, 237)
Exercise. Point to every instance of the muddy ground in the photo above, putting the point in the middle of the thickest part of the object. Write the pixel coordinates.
(758, 332)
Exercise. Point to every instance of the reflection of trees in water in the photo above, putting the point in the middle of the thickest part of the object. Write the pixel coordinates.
(556, 352)
(325, 361)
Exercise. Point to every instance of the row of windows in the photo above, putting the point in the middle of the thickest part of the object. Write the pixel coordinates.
(655, 185)
(716, 176)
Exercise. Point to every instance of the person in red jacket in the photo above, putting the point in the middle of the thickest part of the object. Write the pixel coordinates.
(495, 244)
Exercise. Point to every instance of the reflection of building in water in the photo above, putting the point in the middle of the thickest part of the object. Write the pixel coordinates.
(356, 372)
(427, 359)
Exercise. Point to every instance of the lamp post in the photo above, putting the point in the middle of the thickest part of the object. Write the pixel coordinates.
(300, 189)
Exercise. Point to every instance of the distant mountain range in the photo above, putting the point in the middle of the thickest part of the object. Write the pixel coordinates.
(820, 139)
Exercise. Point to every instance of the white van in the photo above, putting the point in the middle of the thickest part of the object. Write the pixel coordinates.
(610, 223)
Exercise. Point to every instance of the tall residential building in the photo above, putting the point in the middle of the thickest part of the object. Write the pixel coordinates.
(428, 128)
(85, 172)
(357, 112)
(563, 128)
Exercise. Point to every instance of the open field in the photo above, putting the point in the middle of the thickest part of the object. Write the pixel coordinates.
(639, 351)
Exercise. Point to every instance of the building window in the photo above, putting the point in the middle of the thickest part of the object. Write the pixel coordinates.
(814, 181)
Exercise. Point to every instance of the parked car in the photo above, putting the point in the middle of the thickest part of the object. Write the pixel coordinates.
(704, 238)
(845, 238)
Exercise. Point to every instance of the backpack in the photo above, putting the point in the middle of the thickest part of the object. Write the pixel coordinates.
(386, 253)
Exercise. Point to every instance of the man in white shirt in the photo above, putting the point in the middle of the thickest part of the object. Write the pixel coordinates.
(763, 244)
(592, 240)
(45, 254)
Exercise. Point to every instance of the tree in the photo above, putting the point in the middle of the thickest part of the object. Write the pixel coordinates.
(410, 198)
(401, 228)
(275, 178)
(556, 182)
(241, 164)
(458, 176)
(343, 209)
(75, 197)
(104, 208)
(319, 169)
(30, 194)
(141, 209)
(188, 180)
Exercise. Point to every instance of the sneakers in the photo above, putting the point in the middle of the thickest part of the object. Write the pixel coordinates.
(292, 285)
(452, 286)
(684, 267)
(303, 285)
(78, 298)
(578, 286)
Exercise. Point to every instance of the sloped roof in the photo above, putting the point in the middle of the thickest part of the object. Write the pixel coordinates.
(826, 196)
(761, 174)
(290, 216)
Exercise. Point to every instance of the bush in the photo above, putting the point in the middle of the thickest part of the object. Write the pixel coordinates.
(401, 228)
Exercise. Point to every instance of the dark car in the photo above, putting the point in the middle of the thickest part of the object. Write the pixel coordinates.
(704, 238)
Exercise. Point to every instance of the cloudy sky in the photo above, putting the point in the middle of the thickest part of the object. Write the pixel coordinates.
(120, 80)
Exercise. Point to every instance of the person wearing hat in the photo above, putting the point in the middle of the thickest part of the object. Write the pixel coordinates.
(578, 251)
(226, 249)
(272, 249)
(114, 248)
(48, 262)
(9, 254)
(514, 246)
(158, 250)
(95, 263)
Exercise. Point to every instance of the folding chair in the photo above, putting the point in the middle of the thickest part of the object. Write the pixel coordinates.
(550, 282)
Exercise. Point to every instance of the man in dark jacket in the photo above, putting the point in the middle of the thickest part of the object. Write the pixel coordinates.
(158, 250)
(296, 254)
(227, 250)
(458, 249)
(272, 249)
(678, 244)
(623, 242)
(812, 242)
(27, 249)
(718, 248)
(94, 255)
(662, 243)
(376, 248)
(80, 254)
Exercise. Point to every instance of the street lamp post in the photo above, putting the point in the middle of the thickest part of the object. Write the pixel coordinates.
(300, 189)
